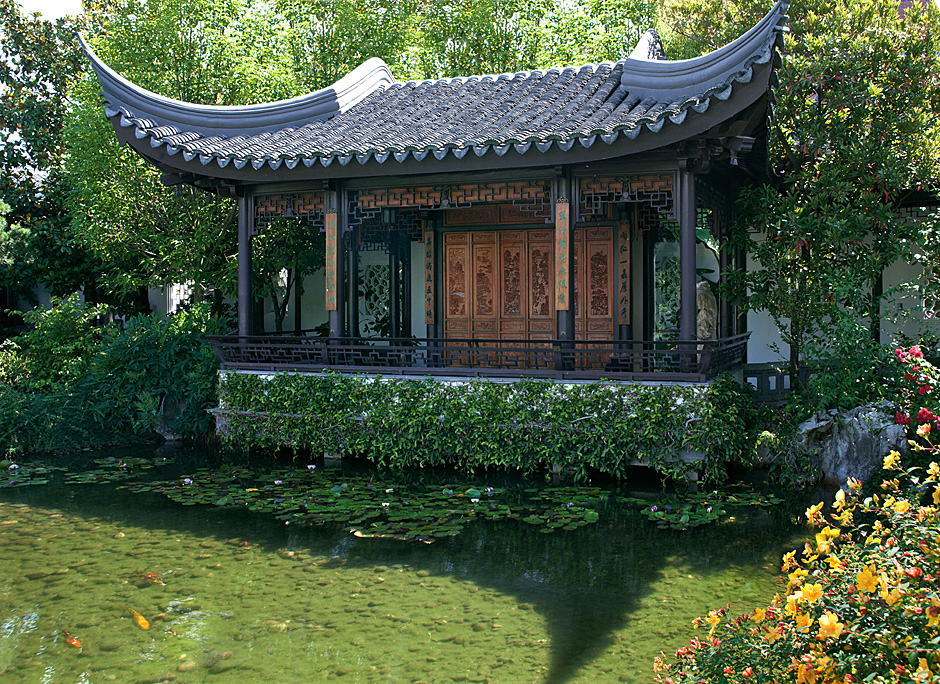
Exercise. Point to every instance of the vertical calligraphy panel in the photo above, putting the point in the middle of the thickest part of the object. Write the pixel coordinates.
(562, 243)
(331, 261)
(623, 271)
(428, 275)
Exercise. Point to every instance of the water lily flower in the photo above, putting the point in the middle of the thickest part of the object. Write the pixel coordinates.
(311, 467)
(474, 501)
(187, 481)
(278, 481)
(13, 466)
(385, 504)
(389, 490)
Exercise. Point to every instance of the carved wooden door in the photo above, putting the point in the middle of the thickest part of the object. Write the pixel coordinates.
(594, 279)
(500, 284)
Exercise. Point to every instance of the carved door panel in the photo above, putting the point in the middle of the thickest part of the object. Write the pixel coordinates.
(597, 284)
(540, 319)
(512, 290)
(483, 285)
(456, 283)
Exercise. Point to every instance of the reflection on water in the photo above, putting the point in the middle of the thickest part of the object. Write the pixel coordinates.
(233, 596)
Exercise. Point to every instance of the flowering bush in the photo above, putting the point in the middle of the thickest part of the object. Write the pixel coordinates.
(862, 601)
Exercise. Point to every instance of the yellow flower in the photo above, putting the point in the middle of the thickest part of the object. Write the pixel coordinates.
(936, 496)
(924, 430)
(867, 579)
(829, 626)
(771, 635)
(933, 613)
(854, 484)
(712, 621)
(835, 564)
(788, 561)
(902, 506)
(806, 674)
(893, 597)
(840, 500)
(803, 621)
(812, 513)
(792, 608)
(759, 615)
(812, 592)
(934, 471)
(891, 460)
(796, 577)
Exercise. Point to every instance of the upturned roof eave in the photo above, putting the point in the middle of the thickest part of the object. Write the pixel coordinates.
(321, 104)
(753, 94)
(744, 66)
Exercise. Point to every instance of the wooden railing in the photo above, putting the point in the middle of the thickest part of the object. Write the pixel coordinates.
(560, 359)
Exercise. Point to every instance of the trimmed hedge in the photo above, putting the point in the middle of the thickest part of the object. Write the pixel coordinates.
(527, 425)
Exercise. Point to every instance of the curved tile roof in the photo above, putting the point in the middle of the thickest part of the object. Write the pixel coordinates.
(367, 116)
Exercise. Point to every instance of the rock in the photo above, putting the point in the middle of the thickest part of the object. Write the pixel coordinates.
(706, 319)
(852, 443)
(187, 666)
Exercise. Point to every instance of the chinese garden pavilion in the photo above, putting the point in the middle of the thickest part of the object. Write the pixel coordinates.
(541, 223)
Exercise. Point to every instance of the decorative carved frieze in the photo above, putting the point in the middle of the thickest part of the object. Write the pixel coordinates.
(306, 207)
(597, 193)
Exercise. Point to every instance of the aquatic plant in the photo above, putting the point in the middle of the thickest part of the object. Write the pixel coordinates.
(367, 507)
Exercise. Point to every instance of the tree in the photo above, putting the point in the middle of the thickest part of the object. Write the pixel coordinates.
(38, 62)
(854, 134)
(210, 51)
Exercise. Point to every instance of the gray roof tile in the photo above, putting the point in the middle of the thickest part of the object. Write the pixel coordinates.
(366, 115)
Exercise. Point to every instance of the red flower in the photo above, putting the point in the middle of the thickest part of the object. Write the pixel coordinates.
(916, 352)
(748, 672)
(923, 390)
(908, 376)
(925, 416)
(901, 419)
(901, 355)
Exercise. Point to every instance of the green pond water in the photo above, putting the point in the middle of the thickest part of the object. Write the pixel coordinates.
(234, 595)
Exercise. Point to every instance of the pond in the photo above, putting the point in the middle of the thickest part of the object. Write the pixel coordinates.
(100, 582)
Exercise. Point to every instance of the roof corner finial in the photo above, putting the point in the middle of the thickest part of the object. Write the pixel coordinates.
(649, 48)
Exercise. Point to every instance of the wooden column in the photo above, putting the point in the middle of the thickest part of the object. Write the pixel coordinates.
(245, 296)
(353, 279)
(336, 222)
(565, 213)
(687, 306)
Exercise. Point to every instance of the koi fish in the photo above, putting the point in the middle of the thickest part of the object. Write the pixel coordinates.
(72, 641)
(152, 576)
(139, 619)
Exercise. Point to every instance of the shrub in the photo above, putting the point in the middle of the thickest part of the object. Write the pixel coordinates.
(526, 425)
(159, 371)
(862, 602)
(55, 352)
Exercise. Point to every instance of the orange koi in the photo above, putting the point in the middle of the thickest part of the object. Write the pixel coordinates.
(153, 577)
(72, 641)
(141, 621)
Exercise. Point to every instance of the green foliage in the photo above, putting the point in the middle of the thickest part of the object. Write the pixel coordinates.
(70, 382)
(860, 606)
(526, 426)
(157, 372)
(56, 352)
(854, 134)
(38, 62)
